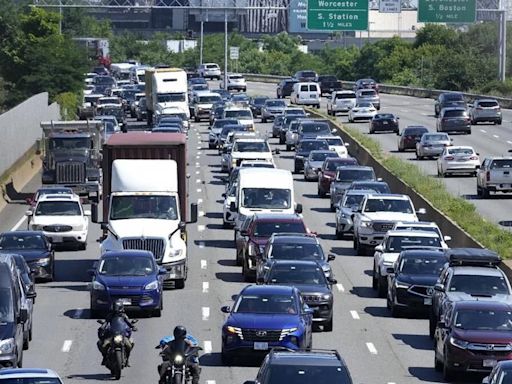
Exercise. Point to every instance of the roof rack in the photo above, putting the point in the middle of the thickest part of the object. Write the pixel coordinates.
(473, 257)
(297, 234)
(323, 351)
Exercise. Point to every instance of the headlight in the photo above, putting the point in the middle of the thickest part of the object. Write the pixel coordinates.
(176, 252)
(44, 261)
(36, 227)
(458, 343)
(151, 286)
(387, 263)
(251, 249)
(326, 297)
(401, 285)
(7, 346)
(235, 330)
(97, 286)
(366, 224)
(118, 339)
(178, 359)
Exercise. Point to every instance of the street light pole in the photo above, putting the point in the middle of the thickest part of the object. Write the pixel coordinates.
(502, 42)
(201, 42)
(225, 49)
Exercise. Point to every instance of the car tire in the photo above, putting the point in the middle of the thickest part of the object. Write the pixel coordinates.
(30, 333)
(448, 373)
(305, 176)
(211, 146)
(296, 170)
(360, 249)
(82, 246)
(438, 365)
(158, 312)
(197, 119)
(320, 193)
(328, 325)
(400, 149)
(94, 313)
(288, 147)
(179, 284)
(395, 311)
(20, 360)
(245, 273)
(498, 122)
(25, 342)
(333, 208)
(485, 193)
(226, 358)
(381, 286)
(339, 234)
(263, 120)
(238, 258)
(431, 326)
(374, 278)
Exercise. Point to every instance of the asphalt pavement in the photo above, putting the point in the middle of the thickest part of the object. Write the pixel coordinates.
(377, 348)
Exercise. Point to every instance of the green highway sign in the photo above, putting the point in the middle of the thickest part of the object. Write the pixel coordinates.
(447, 11)
(338, 15)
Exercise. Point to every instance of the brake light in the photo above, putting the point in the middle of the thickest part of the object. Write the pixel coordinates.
(487, 176)
(473, 158)
(449, 157)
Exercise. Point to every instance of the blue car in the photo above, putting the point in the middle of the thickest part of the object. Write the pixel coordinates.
(133, 277)
(265, 317)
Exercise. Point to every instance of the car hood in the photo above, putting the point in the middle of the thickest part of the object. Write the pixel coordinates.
(390, 216)
(389, 257)
(427, 280)
(143, 227)
(251, 155)
(488, 337)
(125, 281)
(29, 254)
(263, 321)
(58, 220)
(312, 289)
(316, 164)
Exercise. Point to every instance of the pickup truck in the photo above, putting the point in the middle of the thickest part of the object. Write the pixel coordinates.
(328, 84)
(494, 175)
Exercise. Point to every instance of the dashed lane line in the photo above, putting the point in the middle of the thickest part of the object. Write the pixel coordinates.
(354, 315)
(206, 286)
(204, 264)
(371, 348)
(201, 213)
(207, 346)
(18, 224)
(340, 287)
(199, 190)
(201, 228)
(205, 312)
(67, 345)
(483, 131)
(201, 244)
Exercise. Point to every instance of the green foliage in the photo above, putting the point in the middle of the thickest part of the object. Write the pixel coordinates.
(435, 34)
(77, 23)
(68, 103)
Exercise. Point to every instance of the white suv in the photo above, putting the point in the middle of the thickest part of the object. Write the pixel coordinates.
(235, 81)
(62, 219)
(209, 70)
(376, 215)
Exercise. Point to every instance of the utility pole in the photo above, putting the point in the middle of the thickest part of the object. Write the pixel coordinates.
(201, 42)
(502, 41)
(225, 49)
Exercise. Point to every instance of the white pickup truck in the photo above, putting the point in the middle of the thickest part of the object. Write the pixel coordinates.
(494, 175)
(341, 101)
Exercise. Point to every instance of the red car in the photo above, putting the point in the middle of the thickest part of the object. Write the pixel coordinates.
(255, 233)
(473, 336)
(410, 136)
(328, 172)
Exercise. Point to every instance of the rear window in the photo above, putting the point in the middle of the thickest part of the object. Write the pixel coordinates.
(313, 88)
(315, 128)
(308, 74)
(345, 95)
(304, 88)
(504, 163)
(415, 131)
(212, 66)
(488, 104)
(327, 78)
(369, 92)
(349, 175)
(455, 113)
(332, 165)
(454, 97)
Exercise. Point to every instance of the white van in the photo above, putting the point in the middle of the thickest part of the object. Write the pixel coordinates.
(263, 190)
(305, 94)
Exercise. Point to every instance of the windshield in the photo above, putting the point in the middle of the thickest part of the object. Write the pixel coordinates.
(345, 95)
(109, 127)
(126, 266)
(70, 143)
(398, 243)
(15, 241)
(209, 99)
(349, 175)
(6, 309)
(266, 198)
(422, 265)
(227, 129)
(266, 229)
(377, 187)
(265, 304)
(384, 116)
(275, 103)
(218, 124)
(170, 97)
(250, 146)
(58, 208)
(53, 191)
(297, 274)
(351, 200)
(436, 137)
(307, 374)
(334, 141)
(368, 93)
(501, 163)
(475, 284)
(453, 97)
(388, 205)
(297, 251)
(483, 320)
(315, 128)
(238, 113)
(415, 131)
(332, 165)
(307, 146)
(144, 207)
(455, 113)
(321, 156)
(461, 151)
(111, 111)
(104, 80)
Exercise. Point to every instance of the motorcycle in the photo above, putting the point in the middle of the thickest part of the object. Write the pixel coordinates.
(178, 371)
(116, 346)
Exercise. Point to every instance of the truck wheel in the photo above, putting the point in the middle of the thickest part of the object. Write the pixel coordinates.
(328, 325)
(320, 193)
(179, 284)
(381, 286)
(485, 193)
(360, 249)
(431, 325)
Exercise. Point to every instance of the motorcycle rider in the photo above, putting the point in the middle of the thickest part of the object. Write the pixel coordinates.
(169, 344)
(117, 314)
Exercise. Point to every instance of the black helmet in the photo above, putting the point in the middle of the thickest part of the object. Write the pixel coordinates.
(179, 332)
(118, 307)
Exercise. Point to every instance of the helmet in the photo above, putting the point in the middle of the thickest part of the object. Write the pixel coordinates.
(118, 307)
(179, 332)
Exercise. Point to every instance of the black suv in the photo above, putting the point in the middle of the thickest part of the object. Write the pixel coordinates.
(285, 87)
(300, 367)
(470, 274)
(449, 99)
(328, 84)
(309, 278)
(303, 149)
(294, 246)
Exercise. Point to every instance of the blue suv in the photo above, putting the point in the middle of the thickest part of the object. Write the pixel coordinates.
(265, 317)
(133, 277)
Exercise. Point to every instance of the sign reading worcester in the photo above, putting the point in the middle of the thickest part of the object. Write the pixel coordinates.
(447, 11)
(338, 15)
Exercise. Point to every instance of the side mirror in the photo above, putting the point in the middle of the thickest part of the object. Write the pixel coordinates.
(333, 131)
(347, 145)
(162, 271)
(485, 380)
(308, 311)
(224, 195)
(379, 178)
(193, 213)
(225, 309)
(439, 287)
(23, 316)
(244, 233)
(31, 294)
(390, 270)
(124, 128)
(447, 238)
(260, 280)
(398, 117)
(29, 213)
(421, 211)
(28, 200)
(134, 321)
(182, 225)
(398, 133)
(232, 206)
(87, 212)
(333, 281)
(91, 272)
(100, 322)
(379, 248)
(331, 257)
(298, 208)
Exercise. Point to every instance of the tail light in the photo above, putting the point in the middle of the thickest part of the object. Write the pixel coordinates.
(449, 158)
(487, 176)
(473, 158)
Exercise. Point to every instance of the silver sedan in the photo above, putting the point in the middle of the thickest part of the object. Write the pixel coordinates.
(432, 145)
(344, 210)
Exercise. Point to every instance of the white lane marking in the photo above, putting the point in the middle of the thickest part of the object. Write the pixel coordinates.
(204, 264)
(201, 228)
(18, 224)
(405, 110)
(206, 286)
(210, 382)
(197, 157)
(205, 313)
(371, 348)
(198, 172)
(199, 190)
(197, 164)
(483, 131)
(199, 152)
(199, 147)
(207, 346)
(425, 113)
(67, 345)
(340, 287)
(496, 136)
(354, 315)
(391, 382)
(198, 181)
(78, 313)
(199, 201)
(201, 213)
(509, 142)
(201, 244)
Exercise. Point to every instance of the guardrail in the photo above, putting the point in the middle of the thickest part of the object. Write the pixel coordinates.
(391, 89)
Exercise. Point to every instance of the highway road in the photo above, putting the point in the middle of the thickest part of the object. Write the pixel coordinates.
(377, 348)
(487, 139)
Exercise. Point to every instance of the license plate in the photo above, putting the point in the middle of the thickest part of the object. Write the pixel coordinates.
(462, 159)
(57, 239)
(312, 96)
(385, 123)
(489, 363)
(260, 346)
(427, 301)
(126, 301)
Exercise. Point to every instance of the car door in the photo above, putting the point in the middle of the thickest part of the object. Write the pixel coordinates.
(306, 319)
(438, 297)
(242, 237)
